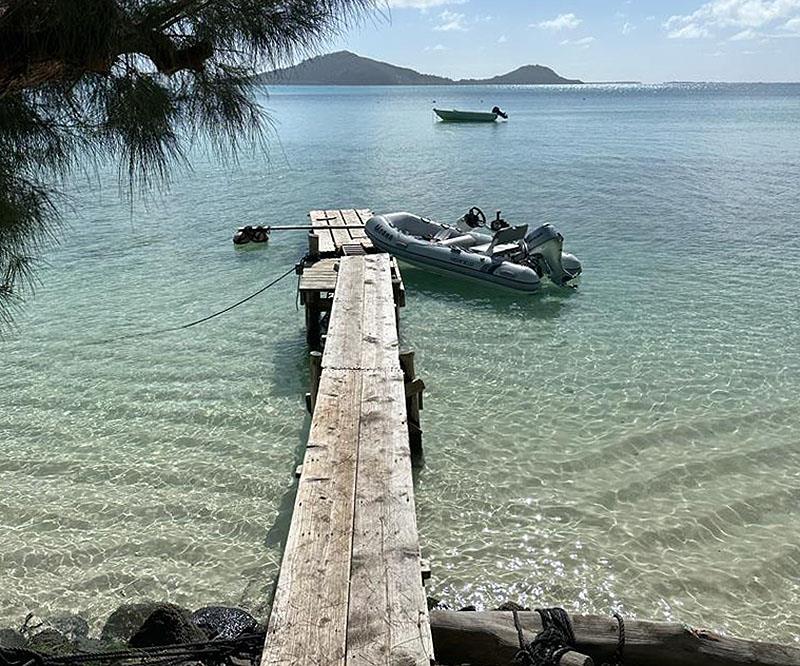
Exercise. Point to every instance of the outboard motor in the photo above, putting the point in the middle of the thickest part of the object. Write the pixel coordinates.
(260, 234)
(243, 235)
(500, 112)
(545, 252)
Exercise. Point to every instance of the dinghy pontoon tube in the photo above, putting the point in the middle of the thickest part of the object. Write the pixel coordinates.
(512, 257)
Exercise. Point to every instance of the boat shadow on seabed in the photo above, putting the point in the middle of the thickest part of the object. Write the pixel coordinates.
(548, 303)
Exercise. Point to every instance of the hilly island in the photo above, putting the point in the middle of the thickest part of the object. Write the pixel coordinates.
(344, 68)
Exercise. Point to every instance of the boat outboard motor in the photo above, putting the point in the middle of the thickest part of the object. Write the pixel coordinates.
(500, 112)
(260, 235)
(243, 235)
(545, 251)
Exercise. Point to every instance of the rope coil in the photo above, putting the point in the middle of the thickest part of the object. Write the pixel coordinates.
(210, 652)
(554, 640)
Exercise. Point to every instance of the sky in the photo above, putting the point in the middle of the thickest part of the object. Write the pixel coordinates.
(633, 40)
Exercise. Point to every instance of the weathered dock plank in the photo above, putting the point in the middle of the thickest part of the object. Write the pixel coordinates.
(388, 619)
(308, 623)
(320, 220)
(333, 240)
(350, 589)
(363, 332)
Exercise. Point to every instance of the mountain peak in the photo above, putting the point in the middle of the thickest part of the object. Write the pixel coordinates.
(350, 69)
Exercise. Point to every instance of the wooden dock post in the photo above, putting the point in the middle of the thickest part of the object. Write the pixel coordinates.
(313, 245)
(313, 324)
(315, 371)
(413, 390)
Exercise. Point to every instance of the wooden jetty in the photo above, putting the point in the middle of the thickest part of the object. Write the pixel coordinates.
(350, 589)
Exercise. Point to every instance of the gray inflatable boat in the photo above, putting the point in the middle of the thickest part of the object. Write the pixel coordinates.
(499, 254)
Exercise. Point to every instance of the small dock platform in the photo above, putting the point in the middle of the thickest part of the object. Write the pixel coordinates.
(350, 589)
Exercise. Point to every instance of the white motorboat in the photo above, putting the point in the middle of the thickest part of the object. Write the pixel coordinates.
(499, 254)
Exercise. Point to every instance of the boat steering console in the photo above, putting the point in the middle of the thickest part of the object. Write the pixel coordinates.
(475, 218)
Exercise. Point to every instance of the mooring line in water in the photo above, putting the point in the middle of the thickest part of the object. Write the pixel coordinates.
(143, 334)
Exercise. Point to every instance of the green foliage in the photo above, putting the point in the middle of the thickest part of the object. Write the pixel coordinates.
(134, 81)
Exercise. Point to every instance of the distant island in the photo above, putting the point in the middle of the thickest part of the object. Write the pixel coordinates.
(348, 69)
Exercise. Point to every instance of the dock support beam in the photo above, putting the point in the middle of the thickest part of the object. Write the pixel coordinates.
(413, 388)
(313, 324)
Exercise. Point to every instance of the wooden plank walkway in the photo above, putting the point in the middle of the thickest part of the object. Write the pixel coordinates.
(350, 588)
(333, 242)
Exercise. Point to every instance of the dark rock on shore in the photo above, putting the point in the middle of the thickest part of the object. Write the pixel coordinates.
(166, 626)
(224, 622)
(73, 627)
(50, 642)
(11, 638)
(129, 618)
(438, 604)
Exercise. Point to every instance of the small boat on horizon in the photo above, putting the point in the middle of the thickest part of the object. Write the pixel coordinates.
(511, 256)
(455, 116)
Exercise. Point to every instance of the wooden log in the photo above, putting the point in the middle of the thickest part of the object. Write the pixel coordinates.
(573, 658)
(490, 639)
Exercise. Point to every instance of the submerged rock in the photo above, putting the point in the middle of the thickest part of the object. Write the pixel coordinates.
(129, 618)
(511, 606)
(224, 622)
(11, 638)
(437, 604)
(50, 643)
(166, 626)
(71, 626)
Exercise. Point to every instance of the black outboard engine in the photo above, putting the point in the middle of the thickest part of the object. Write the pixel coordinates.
(500, 112)
(260, 234)
(243, 235)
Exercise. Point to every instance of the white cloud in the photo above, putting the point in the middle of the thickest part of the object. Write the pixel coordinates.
(744, 35)
(690, 31)
(628, 28)
(730, 14)
(793, 24)
(423, 4)
(560, 22)
(502, 39)
(583, 43)
(438, 47)
(451, 21)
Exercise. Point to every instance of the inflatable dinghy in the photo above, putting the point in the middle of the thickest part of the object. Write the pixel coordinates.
(509, 256)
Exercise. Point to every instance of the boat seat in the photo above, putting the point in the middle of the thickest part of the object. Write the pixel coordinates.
(464, 241)
(503, 241)
(497, 250)
(442, 234)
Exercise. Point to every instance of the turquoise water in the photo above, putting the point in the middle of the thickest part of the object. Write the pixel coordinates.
(634, 445)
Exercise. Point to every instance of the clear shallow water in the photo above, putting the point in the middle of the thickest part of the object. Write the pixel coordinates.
(633, 445)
